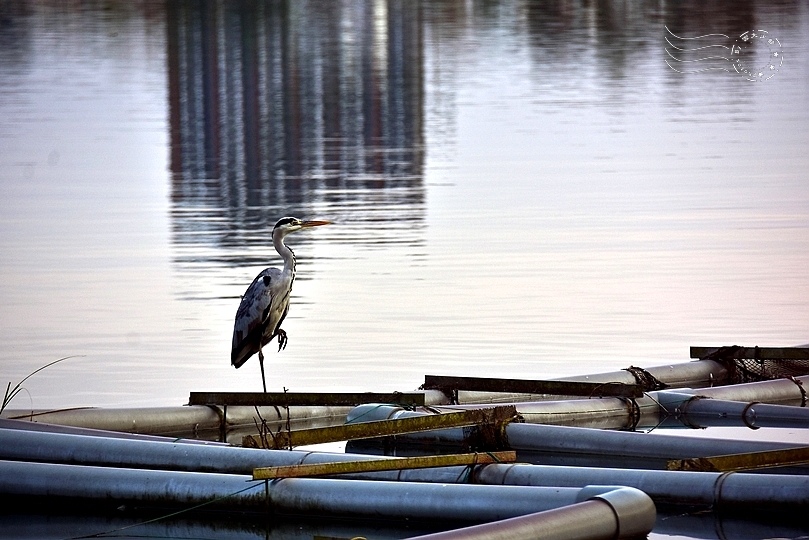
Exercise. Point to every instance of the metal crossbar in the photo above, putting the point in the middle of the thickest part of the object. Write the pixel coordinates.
(292, 399)
(521, 386)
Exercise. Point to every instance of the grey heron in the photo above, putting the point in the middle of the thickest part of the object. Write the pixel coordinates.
(266, 301)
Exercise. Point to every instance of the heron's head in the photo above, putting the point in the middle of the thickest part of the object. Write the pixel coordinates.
(287, 225)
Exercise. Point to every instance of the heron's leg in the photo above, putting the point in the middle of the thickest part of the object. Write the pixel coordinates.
(282, 339)
(261, 363)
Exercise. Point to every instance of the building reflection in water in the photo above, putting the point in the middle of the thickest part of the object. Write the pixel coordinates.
(308, 107)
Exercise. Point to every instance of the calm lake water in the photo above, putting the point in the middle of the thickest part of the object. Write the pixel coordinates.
(517, 190)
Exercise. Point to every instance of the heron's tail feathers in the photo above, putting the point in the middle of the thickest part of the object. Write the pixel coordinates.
(239, 356)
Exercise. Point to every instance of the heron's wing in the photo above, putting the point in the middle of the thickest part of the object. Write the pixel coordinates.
(252, 315)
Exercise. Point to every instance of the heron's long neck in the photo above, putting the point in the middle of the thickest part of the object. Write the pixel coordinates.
(286, 253)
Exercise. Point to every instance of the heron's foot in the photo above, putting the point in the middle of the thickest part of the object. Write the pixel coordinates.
(282, 340)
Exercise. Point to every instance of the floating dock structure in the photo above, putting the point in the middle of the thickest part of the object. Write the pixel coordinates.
(562, 457)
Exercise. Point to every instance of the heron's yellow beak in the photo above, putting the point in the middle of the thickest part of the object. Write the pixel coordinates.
(306, 224)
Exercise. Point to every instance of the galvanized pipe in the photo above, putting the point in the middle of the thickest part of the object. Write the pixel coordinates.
(347, 498)
(618, 514)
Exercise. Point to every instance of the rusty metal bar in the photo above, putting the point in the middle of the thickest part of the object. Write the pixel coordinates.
(761, 353)
(743, 462)
(294, 399)
(352, 467)
(522, 386)
(364, 430)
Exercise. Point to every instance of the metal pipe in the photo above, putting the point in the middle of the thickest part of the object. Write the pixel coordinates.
(776, 392)
(732, 491)
(410, 500)
(604, 413)
(617, 413)
(181, 421)
(116, 486)
(694, 374)
(491, 416)
(673, 487)
(613, 413)
(45, 447)
(572, 445)
(683, 375)
(358, 498)
(599, 413)
(696, 411)
(437, 437)
(26, 425)
(617, 514)
(566, 445)
(152, 420)
(17, 445)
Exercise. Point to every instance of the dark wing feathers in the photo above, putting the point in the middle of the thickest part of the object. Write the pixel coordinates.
(251, 317)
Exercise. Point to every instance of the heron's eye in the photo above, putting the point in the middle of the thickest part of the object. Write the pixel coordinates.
(286, 221)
